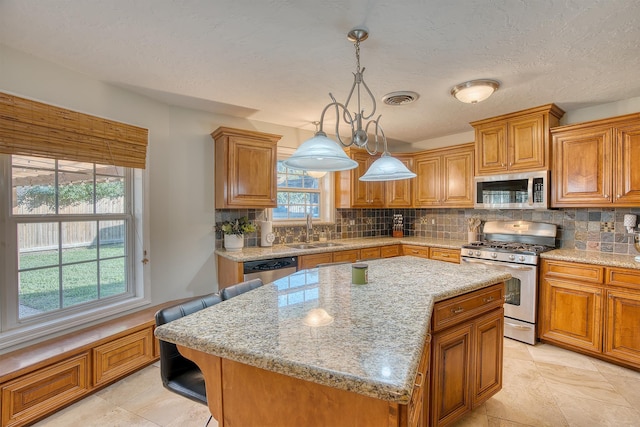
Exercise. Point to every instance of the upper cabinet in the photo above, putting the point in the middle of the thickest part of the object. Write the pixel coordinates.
(592, 163)
(353, 193)
(399, 194)
(515, 142)
(245, 168)
(445, 177)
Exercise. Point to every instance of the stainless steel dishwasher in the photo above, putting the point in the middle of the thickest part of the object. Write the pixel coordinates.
(270, 269)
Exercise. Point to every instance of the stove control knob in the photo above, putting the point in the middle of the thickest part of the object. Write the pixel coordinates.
(512, 257)
(521, 258)
(494, 255)
(477, 253)
(469, 253)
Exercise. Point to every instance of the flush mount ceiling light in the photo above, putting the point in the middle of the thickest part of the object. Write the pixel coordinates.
(474, 91)
(323, 154)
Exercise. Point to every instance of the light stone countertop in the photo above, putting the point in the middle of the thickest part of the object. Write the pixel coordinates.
(592, 257)
(254, 253)
(376, 333)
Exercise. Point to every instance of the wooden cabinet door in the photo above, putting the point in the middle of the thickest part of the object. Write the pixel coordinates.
(427, 183)
(450, 374)
(491, 148)
(571, 313)
(489, 332)
(582, 168)
(457, 179)
(627, 166)
(526, 144)
(399, 193)
(622, 339)
(365, 194)
(245, 168)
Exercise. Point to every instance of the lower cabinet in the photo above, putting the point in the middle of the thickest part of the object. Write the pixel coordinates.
(444, 254)
(572, 313)
(466, 361)
(622, 340)
(592, 309)
(415, 250)
(33, 396)
(119, 357)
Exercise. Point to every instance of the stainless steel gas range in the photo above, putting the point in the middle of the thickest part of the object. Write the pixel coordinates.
(514, 247)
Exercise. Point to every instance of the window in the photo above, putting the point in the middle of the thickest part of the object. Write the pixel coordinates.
(300, 194)
(70, 235)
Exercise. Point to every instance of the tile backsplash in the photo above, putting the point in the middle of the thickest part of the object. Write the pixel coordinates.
(591, 229)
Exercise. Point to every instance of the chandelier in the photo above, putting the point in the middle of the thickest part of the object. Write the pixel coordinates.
(323, 154)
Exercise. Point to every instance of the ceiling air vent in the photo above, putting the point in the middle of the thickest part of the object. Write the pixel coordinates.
(400, 98)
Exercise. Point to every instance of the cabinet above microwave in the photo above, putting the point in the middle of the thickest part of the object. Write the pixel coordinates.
(529, 190)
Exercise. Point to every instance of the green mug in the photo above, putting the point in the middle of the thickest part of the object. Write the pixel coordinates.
(359, 274)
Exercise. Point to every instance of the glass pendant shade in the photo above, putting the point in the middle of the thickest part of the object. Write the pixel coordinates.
(320, 154)
(474, 91)
(316, 174)
(387, 168)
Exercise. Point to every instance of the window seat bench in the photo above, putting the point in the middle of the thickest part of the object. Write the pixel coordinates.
(38, 380)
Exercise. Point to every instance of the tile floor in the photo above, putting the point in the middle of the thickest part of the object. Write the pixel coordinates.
(543, 386)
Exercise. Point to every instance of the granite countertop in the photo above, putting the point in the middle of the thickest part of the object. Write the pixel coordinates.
(592, 257)
(375, 333)
(256, 253)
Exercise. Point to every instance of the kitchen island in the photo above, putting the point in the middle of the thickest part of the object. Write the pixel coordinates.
(313, 349)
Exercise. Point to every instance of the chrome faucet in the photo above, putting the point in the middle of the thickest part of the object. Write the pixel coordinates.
(309, 228)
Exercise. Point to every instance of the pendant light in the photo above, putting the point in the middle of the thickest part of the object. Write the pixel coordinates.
(323, 154)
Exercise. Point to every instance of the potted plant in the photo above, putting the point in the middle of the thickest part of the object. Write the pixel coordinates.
(234, 231)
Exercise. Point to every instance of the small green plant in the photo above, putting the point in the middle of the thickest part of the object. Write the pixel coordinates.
(238, 226)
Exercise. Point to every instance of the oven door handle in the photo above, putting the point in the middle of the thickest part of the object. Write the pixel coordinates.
(492, 264)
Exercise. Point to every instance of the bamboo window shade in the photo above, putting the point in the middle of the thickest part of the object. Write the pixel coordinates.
(32, 128)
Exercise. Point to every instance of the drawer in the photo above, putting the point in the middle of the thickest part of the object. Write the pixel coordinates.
(312, 261)
(350, 256)
(573, 271)
(419, 251)
(123, 356)
(369, 253)
(442, 254)
(454, 310)
(390, 251)
(627, 278)
(37, 394)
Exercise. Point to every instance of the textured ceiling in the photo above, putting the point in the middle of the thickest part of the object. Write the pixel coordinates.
(277, 60)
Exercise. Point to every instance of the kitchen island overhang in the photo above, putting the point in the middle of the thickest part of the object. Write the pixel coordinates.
(316, 326)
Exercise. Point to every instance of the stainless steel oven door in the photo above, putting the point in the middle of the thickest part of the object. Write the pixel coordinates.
(520, 291)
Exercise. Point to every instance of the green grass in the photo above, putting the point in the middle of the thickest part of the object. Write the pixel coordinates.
(40, 289)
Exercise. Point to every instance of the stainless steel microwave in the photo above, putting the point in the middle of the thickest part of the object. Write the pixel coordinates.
(528, 190)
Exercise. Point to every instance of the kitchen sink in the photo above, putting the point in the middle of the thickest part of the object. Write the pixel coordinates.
(327, 245)
(302, 246)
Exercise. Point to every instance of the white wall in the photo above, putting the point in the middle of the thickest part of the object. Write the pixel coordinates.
(179, 165)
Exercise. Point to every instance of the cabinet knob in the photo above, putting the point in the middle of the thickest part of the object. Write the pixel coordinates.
(606, 196)
(419, 379)
(457, 310)
(618, 196)
(445, 255)
(488, 299)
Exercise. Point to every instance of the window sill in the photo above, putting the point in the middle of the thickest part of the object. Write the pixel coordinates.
(31, 334)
